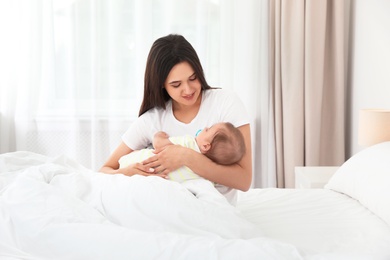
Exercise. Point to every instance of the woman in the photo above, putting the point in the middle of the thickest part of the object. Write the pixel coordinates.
(178, 101)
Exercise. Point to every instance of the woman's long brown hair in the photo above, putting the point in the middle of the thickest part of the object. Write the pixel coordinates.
(165, 53)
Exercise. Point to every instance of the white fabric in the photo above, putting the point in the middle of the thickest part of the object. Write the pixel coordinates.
(135, 157)
(53, 208)
(179, 175)
(217, 105)
(366, 178)
(186, 140)
(321, 223)
(71, 78)
(203, 189)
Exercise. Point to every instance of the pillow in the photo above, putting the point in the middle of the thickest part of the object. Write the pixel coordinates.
(366, 178)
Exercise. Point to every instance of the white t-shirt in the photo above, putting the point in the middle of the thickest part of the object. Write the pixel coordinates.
(217, 106)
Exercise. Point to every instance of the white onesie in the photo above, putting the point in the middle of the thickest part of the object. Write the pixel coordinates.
(203, 189)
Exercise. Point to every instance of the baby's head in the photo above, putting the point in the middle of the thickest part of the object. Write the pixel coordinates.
(223, 143)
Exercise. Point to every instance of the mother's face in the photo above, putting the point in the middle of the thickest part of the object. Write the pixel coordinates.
(183, 86)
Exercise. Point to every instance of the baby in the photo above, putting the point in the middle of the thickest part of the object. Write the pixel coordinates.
(223, 143)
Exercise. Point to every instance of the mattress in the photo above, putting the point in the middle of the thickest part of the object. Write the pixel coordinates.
(321, 223)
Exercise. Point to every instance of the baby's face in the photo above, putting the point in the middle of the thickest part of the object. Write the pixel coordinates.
(208, 133)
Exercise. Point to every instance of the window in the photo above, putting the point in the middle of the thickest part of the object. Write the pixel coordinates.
(100, 50)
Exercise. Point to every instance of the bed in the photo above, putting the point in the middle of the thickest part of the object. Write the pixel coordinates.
(53, 208)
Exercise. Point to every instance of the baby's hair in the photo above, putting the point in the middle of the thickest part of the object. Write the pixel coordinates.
(227, 146)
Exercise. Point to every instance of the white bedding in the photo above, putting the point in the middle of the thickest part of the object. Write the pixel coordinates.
(56, 209)
(321, 223)
(53, 208)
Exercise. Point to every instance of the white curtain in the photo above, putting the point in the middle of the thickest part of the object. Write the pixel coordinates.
(244, 68)
(72, 71)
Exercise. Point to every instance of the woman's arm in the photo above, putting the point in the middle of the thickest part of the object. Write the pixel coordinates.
(238, 176)
(112, 164)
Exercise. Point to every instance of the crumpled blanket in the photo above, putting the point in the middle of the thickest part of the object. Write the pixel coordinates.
(54, 208)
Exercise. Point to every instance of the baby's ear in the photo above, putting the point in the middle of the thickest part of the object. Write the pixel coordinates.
(205, 147)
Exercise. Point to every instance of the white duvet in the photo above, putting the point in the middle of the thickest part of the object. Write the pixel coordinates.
(53, 208)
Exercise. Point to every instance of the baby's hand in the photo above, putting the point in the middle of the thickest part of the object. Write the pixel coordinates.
(160, 140)
(161, 134)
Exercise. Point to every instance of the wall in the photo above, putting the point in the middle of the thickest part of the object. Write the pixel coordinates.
(369, 75)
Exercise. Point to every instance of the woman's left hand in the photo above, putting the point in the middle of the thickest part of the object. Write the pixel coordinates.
(168, 159)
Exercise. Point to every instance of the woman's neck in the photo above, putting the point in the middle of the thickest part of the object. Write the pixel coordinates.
(186, 114)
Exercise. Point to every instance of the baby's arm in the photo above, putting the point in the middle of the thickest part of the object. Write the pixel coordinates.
(160, 140)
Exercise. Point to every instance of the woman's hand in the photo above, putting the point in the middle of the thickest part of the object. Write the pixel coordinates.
(140, 169)
(112, 164)
(168, 159)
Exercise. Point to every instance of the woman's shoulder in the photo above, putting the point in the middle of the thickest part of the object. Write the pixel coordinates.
(226, 106)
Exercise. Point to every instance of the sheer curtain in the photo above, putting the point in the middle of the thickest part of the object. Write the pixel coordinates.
(72, 71)
(244, 68)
